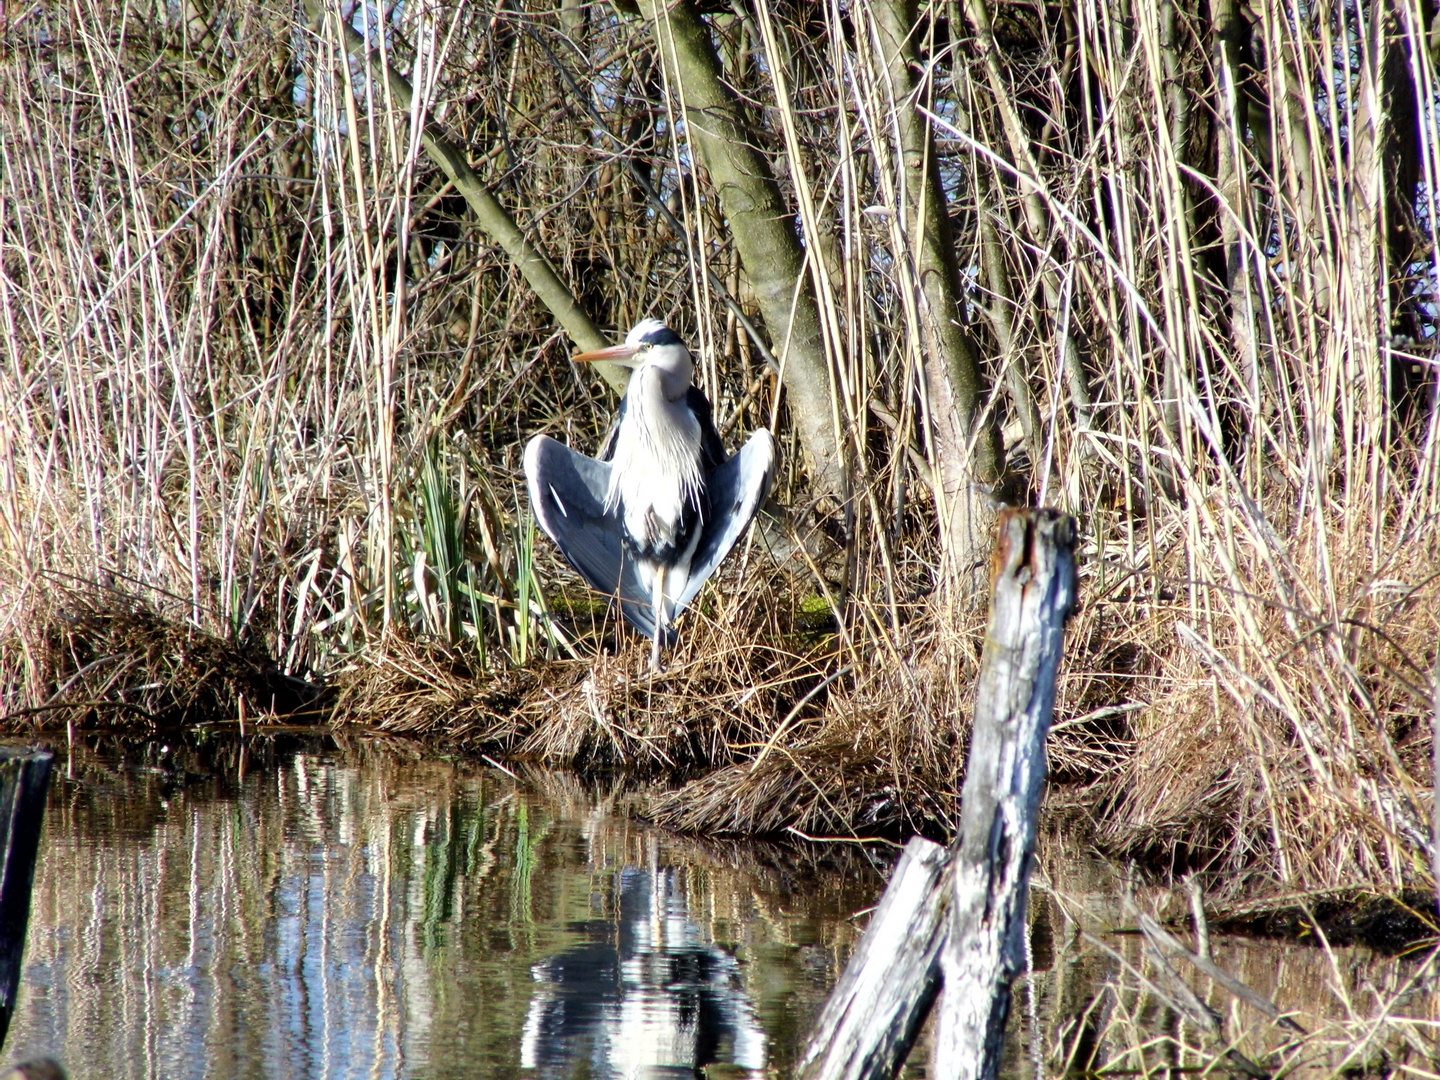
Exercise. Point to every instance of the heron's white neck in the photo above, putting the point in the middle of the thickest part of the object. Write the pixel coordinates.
(657, 451)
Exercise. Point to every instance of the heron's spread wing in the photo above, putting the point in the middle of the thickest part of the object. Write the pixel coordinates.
(735, 491)
(712, 450)
(567, 494)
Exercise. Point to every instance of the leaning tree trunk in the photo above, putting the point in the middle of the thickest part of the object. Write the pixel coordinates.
(764, 230)
(493, 218)
(970, 457)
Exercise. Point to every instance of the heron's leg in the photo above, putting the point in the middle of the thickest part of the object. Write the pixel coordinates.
(661, 616)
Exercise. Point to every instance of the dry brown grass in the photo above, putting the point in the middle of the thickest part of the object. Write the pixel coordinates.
(711, 706)
(1316, 785)
(119, 665)
(1347, 1010)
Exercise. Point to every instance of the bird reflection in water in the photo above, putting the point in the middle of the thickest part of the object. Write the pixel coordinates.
(646, 998)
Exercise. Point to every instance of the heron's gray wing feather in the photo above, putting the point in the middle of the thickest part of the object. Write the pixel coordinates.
(712, 450)
(735, 491)
(567, 494)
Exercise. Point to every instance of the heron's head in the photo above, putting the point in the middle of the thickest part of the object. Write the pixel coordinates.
(651, 344)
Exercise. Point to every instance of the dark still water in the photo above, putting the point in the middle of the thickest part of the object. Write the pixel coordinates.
(362, 912)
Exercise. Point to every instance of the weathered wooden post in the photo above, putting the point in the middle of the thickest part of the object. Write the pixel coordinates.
(872, 1017)
(24, 781)
(1033, 588)
(958, 917)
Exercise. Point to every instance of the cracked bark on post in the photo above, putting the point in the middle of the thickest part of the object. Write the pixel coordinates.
(1034, 590)
(872, 1017)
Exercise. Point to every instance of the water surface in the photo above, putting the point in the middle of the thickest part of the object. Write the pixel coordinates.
(367, 910)
(362, 911)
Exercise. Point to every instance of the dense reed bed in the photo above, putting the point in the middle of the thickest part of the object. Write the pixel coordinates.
(268, 371)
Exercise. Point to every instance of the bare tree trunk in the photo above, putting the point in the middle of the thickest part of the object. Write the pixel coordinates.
(997, 313)
(572, 18)
(764, 231)
(1435, 788)
(1366, 241)
(1176, 118)
(969, 456)
(1229, 31)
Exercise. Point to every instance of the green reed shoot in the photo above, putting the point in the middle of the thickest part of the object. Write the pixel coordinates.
(442, 542)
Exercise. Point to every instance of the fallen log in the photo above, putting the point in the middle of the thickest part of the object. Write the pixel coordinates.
(875, 1012)
(953, 921)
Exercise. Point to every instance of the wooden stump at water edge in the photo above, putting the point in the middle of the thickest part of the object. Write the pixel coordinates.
(954, 921)
(24, 781)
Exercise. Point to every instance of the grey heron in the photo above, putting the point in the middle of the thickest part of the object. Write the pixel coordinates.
(650, 519)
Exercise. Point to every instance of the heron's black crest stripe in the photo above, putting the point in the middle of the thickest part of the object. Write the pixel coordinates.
(662, 336)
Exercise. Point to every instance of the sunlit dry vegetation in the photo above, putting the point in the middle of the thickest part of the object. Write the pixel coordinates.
(280, 316)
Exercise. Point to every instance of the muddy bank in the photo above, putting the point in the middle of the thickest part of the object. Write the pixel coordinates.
(743, 743)
(108, 661)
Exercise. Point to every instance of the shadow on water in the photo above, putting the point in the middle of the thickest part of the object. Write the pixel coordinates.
(289, 907)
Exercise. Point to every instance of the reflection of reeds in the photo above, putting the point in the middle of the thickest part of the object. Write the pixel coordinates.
(377, 906)
(384, 907)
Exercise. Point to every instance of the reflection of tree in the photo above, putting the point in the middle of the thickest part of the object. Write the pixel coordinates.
(645, 996)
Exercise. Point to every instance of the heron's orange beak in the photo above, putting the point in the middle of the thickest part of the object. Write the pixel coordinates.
(616, 354)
